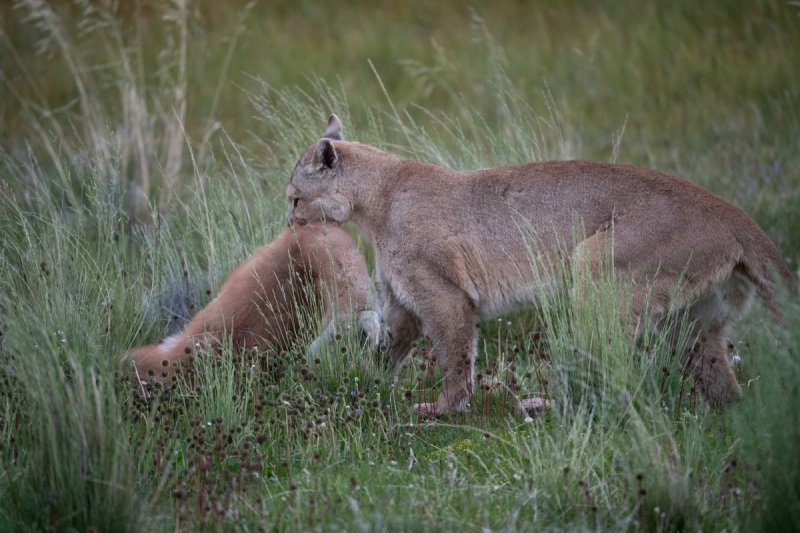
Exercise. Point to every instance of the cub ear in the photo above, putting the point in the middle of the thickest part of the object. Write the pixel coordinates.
(325, 154)
(334, 129)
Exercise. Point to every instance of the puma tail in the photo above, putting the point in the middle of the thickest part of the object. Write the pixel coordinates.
(763, 264)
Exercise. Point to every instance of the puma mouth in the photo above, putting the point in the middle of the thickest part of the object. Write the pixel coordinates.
(294, 219)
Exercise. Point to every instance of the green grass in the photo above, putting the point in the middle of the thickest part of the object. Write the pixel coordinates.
(145, 152)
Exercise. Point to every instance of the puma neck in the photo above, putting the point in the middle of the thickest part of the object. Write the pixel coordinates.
(371, 175)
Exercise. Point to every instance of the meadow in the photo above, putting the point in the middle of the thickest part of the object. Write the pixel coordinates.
(145, 150)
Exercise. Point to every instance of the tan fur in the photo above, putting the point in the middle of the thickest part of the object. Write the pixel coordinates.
(263, 300)
(453, 247)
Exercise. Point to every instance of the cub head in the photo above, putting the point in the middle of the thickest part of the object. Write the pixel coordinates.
(314, 188)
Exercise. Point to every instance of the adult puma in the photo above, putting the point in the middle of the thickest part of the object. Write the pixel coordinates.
(307, 267)
(450, 246)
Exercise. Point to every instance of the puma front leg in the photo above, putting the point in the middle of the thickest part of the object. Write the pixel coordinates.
(448, 317)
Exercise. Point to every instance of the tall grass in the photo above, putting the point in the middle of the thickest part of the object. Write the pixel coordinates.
(766, 443)
(72, 458)
(127, 121)
(135, 177)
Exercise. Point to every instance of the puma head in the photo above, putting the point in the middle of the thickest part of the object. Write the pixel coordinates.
(313, 190)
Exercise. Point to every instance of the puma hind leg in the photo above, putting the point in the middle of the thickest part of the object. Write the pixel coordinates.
(653, 292)
(709, 364)
(711, 318)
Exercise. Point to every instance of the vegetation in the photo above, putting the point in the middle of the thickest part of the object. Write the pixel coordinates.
(145, 150)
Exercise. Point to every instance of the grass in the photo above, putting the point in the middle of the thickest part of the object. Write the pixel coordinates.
(145, 152)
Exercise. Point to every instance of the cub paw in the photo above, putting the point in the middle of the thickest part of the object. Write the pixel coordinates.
(375, 332)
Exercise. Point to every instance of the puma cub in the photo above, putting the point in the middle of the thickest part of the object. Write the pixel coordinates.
(451, 248)
(263, 302)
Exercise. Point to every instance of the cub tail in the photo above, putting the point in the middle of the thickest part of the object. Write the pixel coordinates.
(156, 362)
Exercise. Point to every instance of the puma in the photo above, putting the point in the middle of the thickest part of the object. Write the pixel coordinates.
(264, 301)
(451, 249)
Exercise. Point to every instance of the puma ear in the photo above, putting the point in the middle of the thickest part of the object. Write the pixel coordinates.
(334, 129)
(325, 154)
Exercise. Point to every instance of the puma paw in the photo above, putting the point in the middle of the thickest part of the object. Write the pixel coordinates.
(533, 406)
(721, 392)
(427, 409)
(439, 408)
